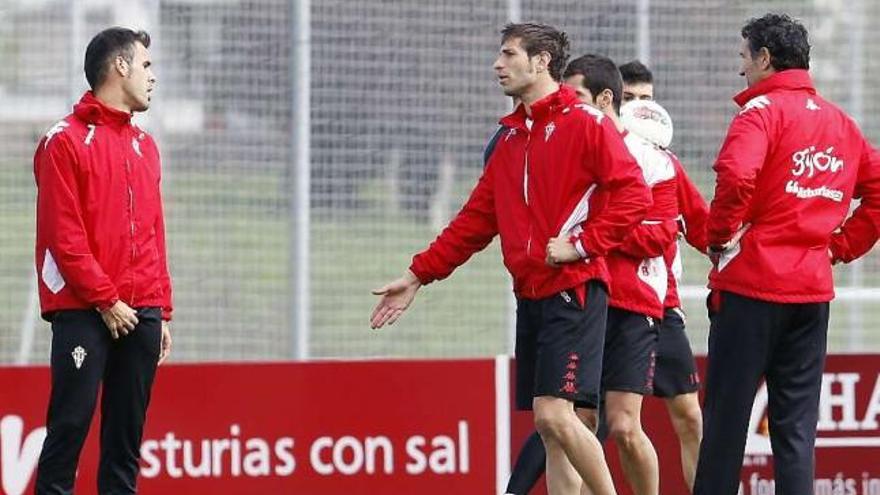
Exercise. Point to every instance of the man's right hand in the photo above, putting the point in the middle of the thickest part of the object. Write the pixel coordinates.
(120, 319)
(396, 297)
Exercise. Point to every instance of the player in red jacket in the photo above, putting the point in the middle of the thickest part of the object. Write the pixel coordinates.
(100, 256)
(786, 173)
(675, 377)
(539, 193)
(638, 283)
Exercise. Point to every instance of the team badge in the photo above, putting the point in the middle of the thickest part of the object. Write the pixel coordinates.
(79, 355)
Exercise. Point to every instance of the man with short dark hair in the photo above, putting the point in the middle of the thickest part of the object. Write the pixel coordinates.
(675, 377)
(638, 81)
(638, 283)
(100, 256)
(554, 237)
(786, 173)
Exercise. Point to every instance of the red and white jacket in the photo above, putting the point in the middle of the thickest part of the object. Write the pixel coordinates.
(100, 227)
(639, 275)
(786, 173)
(693, 212)
(539, 184)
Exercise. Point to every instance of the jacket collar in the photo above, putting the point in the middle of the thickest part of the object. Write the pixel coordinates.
(91, 110)
(791, 79)
(541, 109)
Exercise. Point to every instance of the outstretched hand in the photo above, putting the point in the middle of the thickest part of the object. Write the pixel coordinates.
(396, 297)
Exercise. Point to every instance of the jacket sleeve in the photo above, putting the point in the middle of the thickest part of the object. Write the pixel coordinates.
(739, 162)
(60, 224)
(165, 276)
(693, 210)
(490, 146)
(617, 173)
(657, 231)
(860, 232)
(472, 229)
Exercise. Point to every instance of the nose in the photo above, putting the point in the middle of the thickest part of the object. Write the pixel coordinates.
(497, 64)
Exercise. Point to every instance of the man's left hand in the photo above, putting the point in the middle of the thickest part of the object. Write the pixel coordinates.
(560, 250)
(165, 349)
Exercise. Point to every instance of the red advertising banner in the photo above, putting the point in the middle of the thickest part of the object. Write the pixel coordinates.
(317, 428)
(847, 447)
(395, 427)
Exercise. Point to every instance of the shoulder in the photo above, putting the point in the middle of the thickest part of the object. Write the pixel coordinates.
(142, 135)
(582, 112)
(825, 109)
(61, 136)
(144, 144)
(758, 103)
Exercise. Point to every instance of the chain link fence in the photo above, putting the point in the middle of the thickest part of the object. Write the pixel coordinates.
(401, 100)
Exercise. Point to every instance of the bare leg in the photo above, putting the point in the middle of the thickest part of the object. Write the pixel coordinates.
(561, 429)
(684, 410)
(562, 478)
(590, 418)
(637, 455)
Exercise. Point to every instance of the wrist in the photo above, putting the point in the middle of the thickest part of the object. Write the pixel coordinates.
(412, 278)
(104, 306)
(578, 246)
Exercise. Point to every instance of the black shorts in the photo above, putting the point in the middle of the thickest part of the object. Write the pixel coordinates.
(559, 347)
(676, 370)
(630, 352)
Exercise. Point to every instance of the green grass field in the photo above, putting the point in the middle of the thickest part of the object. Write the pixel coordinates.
(229, 248)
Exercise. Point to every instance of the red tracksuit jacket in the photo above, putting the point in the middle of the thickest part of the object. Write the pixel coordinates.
(693, 212)
(538, 184)
(100, 227)
(788, 169)
(639, 275)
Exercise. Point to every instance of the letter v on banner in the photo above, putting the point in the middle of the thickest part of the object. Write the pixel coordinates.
(19, 456)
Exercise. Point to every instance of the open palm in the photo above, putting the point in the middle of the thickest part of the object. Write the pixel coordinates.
(396, 297)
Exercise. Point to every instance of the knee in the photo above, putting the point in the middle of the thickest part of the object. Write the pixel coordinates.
(551, 427)
(689, 423)
(625, 429)
(692, 425)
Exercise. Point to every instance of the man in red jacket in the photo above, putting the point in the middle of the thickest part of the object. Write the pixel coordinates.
(100, 256)
(675, 377)
(536, 193)
(638, 283)
(786, 173)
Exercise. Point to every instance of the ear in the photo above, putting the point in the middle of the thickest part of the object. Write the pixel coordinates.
(121, 66)
(543, 63)
(764, 58)
(606, 98)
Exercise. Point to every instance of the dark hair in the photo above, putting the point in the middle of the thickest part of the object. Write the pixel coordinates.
(600, 73)
(106, 46)
(635, 72)
(537, 38)
(785, 38)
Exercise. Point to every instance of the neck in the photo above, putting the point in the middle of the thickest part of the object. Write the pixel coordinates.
(764, 75)
(611, 114)
(538, 91)
(113, 98)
